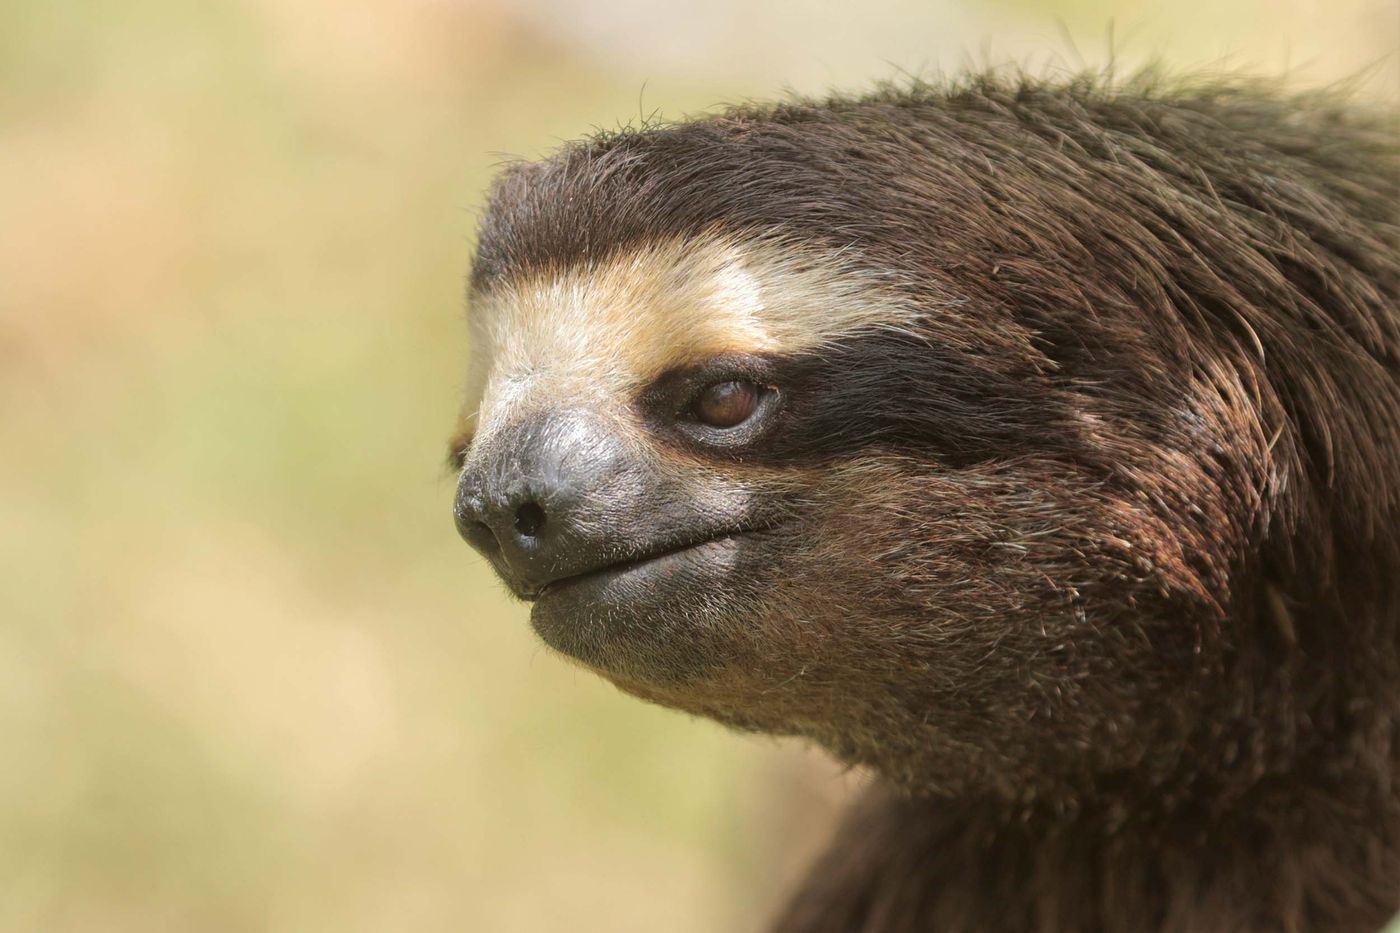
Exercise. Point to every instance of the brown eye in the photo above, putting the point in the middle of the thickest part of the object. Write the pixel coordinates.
(726, 404)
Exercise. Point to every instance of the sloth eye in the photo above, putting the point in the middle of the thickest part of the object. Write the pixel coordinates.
(457, 451)
(726, 404)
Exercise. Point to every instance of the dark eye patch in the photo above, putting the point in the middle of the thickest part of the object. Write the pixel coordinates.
(898, 390)
(881, 388)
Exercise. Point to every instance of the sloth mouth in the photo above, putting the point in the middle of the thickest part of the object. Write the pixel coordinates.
(636, 562)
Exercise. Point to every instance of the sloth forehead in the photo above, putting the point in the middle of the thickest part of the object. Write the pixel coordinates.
(610, 328)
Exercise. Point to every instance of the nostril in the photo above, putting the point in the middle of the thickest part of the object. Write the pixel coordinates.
(530, 519)
(486, 537)
(474, 531)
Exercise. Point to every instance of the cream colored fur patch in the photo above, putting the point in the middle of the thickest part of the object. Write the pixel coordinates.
(593, 336)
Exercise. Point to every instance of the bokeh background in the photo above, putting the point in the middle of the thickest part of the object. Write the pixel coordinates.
(249, 678)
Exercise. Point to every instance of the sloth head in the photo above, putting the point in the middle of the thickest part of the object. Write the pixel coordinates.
(930, 426)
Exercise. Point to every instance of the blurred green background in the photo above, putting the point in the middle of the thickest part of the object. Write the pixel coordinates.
(249, 677)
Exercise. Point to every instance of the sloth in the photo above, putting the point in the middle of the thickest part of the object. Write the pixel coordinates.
(1032, 444)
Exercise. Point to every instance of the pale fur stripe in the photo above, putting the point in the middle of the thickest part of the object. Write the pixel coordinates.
(596, 334)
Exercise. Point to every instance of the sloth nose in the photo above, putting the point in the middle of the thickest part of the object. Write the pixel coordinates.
(521, 501)
(521, 527)
(489, 523)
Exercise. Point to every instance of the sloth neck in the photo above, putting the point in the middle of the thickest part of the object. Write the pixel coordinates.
(1280, 815)
(1285, 859)
(1315, 850)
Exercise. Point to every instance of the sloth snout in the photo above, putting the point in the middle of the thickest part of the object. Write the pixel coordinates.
(523, 501)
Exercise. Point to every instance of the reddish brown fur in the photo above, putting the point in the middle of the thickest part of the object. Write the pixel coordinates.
(1115, 607)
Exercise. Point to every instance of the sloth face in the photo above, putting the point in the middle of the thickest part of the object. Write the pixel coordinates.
(760, 484)
(636, 468)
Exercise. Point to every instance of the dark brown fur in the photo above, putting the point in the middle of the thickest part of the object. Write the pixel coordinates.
(1119, 617)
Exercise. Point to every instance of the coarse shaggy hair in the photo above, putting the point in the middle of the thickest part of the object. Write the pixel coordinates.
(1173, 307)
